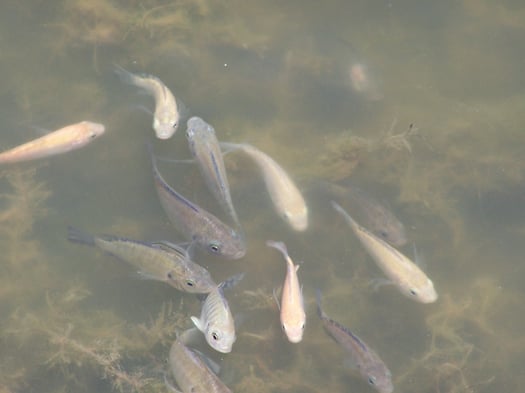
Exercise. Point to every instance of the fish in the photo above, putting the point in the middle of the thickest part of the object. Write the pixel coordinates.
(374, 215)
(195, 223)
(363, 83)
(405, 274)
(167, 115)
(65, 139)
(370, 366)
(293, 317)
(205, 148)
(191, 373)
(286, 197)
(160, 261)
(216, 320)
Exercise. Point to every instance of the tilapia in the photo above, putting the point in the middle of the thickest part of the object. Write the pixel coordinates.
(368, 363)
(205, 148)
(166, 116)
(160, 261)
(216, 320)
(293, 316)
(286, 197)
(374, 215)
(404, 273)
(68, 138)
(191, 373)
(197, 224)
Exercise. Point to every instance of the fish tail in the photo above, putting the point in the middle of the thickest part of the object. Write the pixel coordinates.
(344, 213)
(75, 235)
(124, 75)
(320, 311)
(278, 246)
(232, 281)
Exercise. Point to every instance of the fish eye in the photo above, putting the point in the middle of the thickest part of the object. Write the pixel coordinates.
(214, 248)
(215, 336)
(190, 283)
(372, 380)
(170, 275)
(93, 135)
(175, 124)
(413, 292)
(383, 234)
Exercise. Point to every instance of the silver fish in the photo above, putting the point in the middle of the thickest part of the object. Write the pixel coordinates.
(164, 262)
(191, 373)
(369, 364)
(68, 138)
(404, 273)
(166, 116)
(205, 148)
(216, 320)
(286, 197)
(293, 316)
(197, 224)
(374, 215)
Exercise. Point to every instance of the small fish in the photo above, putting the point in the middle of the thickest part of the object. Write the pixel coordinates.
(69, 138)
(166, 116)
(196, 223)
(191, 372)
(164, 262)
(205, 148)
(374, 215)
(363, 83)
(216, 320)
(285, 195)
(369, 364)
(404, 273)
(292, 306)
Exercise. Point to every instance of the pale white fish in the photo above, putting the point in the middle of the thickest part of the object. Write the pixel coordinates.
(166, 116)
(293, 316)
(286, 197)
(404, 273)
(216, 320)
(68, 138)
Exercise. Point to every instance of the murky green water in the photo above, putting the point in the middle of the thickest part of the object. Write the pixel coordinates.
(277, 76)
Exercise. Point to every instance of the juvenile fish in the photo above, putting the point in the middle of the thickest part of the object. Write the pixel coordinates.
(166, 115)
(205, 148)
(404, 273)
(374, 215)
(369, 364)
(69, 138)
(164, 262)
(292, 306)
(286, 197)
(196, 223)
(216, 320)
(191, 373)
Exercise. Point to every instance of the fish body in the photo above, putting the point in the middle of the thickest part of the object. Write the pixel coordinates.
(197, 224)
(191, 373)
(205, 148)
(286, 197)
(166, 116)
(68, 138)
(404, 273)
(216, 320)
(293, 317)
(156, 261)
(369, 364)
(374, 215)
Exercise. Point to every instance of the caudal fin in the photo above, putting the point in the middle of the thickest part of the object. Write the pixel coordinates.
(75, 235)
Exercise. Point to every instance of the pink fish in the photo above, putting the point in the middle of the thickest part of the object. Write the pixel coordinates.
(292, 308)
(69, 138)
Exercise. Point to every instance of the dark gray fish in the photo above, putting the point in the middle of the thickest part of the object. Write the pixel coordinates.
(191, 372)
(197, 224)
(374, 215)
(164, 262)
(205, 148)
(369, 364)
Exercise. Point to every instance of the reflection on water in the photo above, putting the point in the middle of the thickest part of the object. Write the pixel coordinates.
(443, 148)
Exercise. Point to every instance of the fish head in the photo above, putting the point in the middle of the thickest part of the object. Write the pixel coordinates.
(423, 292)
(220, 339)
(297, 218)
(165, 123)
(294, 331)
(380, 379)
(192, 282)
(231, 245)
(394, 234)
(196, 127)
